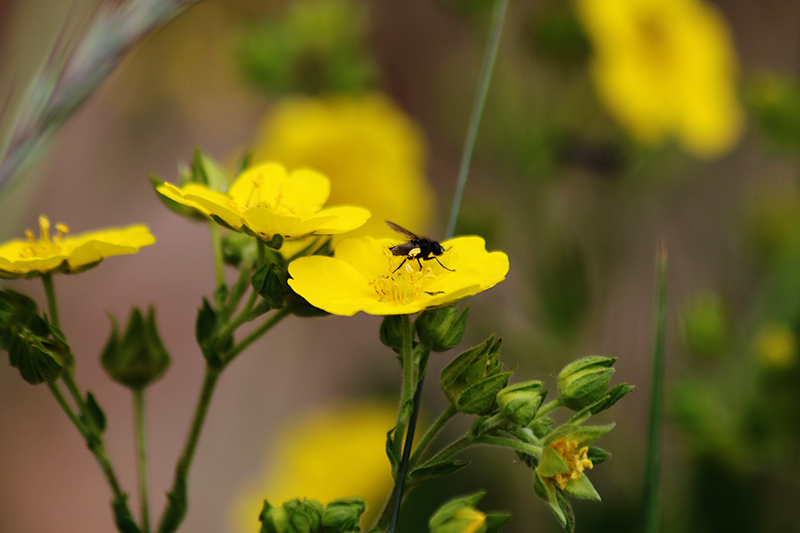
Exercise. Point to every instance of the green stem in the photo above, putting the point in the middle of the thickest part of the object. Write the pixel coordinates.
(498, 17)
(653, 462)
(434, 430)
(52, 306)
(141, 458)
(216, 245)
(549, 406)
(62, 402)
(256, 333)
(178, 500)
(92, 434)
(452, 449)
(514, 444)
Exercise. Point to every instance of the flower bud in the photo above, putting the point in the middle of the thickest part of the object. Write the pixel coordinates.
(38, 358)
(269, 282)
(459, 516)
(391, 332)
(343, 515)
(35, 347)
(139, 357)
(472, 380)
(520, 402)
(292, 517)
(585, 381)
(442, 328)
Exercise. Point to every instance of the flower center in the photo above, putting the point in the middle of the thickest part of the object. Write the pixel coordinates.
(44, 245)
(277, 204)
(405, 285)
(577, 461)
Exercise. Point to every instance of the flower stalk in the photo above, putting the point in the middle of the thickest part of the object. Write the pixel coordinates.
(141, 458)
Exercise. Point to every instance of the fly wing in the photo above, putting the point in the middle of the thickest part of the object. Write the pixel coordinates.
(402, 231)
(403, 249)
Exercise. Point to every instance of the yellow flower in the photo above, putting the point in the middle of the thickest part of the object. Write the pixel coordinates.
(666, 67)
(371, 150)
(266, 200)
(33, 257)
(574, 458)
(364, 276)
(332, 453)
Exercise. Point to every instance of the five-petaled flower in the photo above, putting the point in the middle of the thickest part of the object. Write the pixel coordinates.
(266, 200)
(364, 276)
(33, 257)
(666, 67)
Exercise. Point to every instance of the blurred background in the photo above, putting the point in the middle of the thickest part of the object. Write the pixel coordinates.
(591, 152)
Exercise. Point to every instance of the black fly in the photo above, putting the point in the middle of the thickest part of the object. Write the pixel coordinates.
(418, 248)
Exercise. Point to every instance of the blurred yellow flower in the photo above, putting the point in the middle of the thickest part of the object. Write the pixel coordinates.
(666, 67)
(335, 452)
(371, 150)
(33, 257)
(776, 345)
(266, 200)
(364, 276)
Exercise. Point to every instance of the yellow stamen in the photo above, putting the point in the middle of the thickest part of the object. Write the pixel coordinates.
(44, 246)
(404, 285)
(576, 461)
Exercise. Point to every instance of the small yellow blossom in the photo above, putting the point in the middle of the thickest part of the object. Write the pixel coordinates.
(364, 276)
(575, 458)
(33, 257)
(776, 345)
(266, 200)
(372, 151)
(666, 67)
(335, 452)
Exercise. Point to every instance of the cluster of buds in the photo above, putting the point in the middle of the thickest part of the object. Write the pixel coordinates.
(517, 416)
(310, 516)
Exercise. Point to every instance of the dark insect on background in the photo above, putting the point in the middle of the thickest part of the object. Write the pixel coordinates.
(426, 249)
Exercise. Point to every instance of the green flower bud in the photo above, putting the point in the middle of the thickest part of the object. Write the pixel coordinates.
(139, 357)
(343, 515)
(585, 381)
(269, 281)
(35, 347)
(292, 517)
(236, 248)
(459, 516)
(38, 358)
(442, 328)
(391, 332)
(520, 402)
(472, 380)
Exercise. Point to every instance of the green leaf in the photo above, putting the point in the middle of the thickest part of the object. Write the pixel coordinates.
(597, 456)
(439, 469)
(582, 488)
(95, 412)
(496, 521)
